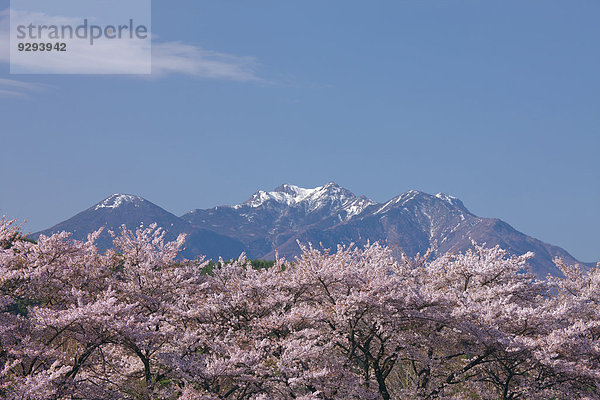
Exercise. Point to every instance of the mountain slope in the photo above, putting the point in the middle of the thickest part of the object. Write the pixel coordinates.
(268, 219)
(416, 221)
(328, 215)
(133, 211)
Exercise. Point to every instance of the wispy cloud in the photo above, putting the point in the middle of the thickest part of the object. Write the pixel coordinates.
(11, 93)
(20, 85)
(12, 87)
(168, 58)
(176, 57)
(16, 88)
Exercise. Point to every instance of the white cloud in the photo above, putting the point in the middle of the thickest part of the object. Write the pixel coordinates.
(19, 85)
(11, 93)
(176, 57)
(16, 88)
(167, 57)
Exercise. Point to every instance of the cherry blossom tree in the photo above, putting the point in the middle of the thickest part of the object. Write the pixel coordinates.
(140, 322)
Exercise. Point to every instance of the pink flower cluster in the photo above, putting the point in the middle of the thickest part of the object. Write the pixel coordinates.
(137, 322)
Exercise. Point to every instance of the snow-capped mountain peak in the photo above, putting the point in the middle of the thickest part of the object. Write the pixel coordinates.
(291, 195)
(285, 194)
(446, 197)
(274, 221)
(356, 206)
(118, 199)
(330, 197)
(402, 199)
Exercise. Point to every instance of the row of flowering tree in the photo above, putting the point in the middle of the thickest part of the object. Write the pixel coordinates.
(137, 322)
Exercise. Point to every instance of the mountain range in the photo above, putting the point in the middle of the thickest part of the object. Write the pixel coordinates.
(275, 221)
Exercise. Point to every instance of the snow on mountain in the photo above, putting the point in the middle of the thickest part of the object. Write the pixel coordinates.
(312, 200)
(401, 200)
(288, 195)
(356, 207)
(453, 201)
(446, 197)
(135, 211)
(285, 194)
(326, 215)
(117, 200)
(116, 210)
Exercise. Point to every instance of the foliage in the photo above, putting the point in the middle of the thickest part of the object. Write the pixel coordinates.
(256, 264)
(139, 323)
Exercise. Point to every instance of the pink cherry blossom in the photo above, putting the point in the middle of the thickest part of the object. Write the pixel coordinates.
(140, 322)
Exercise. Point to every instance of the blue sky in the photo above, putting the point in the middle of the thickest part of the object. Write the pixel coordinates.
(497, 103)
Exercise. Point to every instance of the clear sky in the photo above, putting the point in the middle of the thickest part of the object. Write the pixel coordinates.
(497, 103)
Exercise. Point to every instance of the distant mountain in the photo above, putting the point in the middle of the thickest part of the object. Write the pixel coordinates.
(328, 215)
(133, 211)
(269, 219)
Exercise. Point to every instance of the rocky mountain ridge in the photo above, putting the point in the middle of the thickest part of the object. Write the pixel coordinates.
(275, 221)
